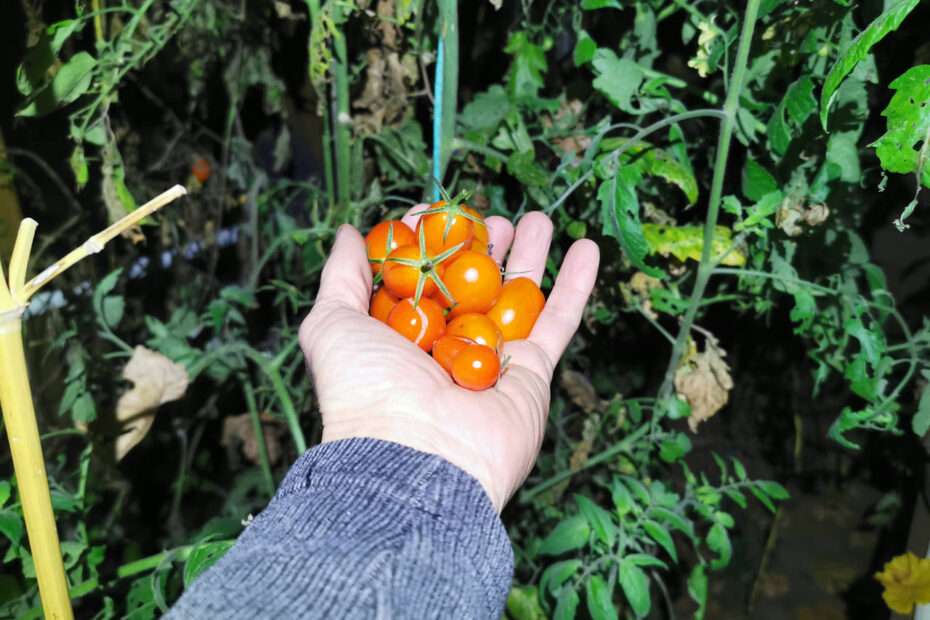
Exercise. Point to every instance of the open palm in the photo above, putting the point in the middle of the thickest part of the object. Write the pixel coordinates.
(372, 382)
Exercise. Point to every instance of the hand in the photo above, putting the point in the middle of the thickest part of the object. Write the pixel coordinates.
(372, 382)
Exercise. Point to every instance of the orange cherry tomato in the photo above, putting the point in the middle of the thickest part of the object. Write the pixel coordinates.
(437, 240)
(476, 327)
(421, 325)
(517, 308)
(201, 169)
(476, 367)
(382, 303)
(401, 280)
(377, 240)
(481, 229)
(446, 348)
(474, 281)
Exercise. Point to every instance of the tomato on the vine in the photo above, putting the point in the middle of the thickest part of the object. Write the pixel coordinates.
(421, 324)
(400, 279)
(446, 348)
(377, 241)
(474, 281)
(382, 303)
(517, 308)
(478, 328)
(476, 367)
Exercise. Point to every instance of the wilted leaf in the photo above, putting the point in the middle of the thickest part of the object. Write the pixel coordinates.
(705, 382)
(581, 392)
(157, 380)
(239, 429)
(684, 242)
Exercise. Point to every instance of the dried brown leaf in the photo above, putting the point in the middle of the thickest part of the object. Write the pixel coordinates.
(157, 380)
(581, 392)
(704, 382)
(238, 429)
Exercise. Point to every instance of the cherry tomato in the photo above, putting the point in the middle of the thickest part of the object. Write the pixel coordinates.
(474, 281)
(446, 348)
(377, 240)
(201, 169)
(476, 327)
(401, 280)
(517, 308)
(438, 240)
(421, 325)
(382, 303)
(480, 241)
(476, 367)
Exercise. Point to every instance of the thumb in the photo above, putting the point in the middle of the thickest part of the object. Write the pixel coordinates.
(346, 277)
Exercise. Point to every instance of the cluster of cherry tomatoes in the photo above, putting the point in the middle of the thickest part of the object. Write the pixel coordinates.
(442, 290)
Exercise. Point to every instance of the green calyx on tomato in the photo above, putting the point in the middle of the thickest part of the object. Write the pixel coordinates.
(425, 267)
(452, 207)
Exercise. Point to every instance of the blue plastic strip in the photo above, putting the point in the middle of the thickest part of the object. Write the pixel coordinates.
(437, 118)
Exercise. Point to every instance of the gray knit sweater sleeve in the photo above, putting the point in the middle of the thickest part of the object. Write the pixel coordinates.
(363, 528)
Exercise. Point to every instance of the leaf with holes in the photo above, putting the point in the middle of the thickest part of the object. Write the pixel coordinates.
(904, 147)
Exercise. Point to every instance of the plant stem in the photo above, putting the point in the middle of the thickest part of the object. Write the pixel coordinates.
(449, 37)
(249, 391)
(343, 119)
(321, 93)
(705, 268)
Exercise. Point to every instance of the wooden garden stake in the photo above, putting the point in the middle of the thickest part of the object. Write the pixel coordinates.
(16, 400)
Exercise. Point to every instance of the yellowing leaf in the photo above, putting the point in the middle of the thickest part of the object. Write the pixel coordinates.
(684, 242)
(157, 380)
(907, 582)
(704, 381)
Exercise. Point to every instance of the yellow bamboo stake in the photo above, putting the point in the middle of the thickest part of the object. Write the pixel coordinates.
(16, 401)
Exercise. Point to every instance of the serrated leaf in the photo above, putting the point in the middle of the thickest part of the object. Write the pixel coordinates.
(486, 110)
(523, 604)
(570, 533)
(598, 599)
(908, 115)
(72, 80)
(11, 526)
(718, 541)
(557, 574)
(921, 421)
(655, 162)
(697, 589)
(639, 490)
(620, 217)
(584, 48)
(635, 586)
(684, 242)
(859, 49)
(777, 131)
(618, 79)
(566, 604)
(529, 63)
(621, 497)
(757, 181)
(799, 100)
(661, 535)
(203, 557)
(674, 519)
(871, 342)
(671, 450)
(523, 166)
(599, 519)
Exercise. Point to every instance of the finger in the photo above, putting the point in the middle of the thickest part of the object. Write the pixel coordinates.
(500, 236)
(410, 218)
(563, 310)
(346, 276)
(530, 247)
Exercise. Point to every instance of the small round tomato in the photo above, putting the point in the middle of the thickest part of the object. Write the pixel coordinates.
(401, 280)
(446, 348)
(517, 308)
(476, 367)
(474, 282)
(201, 169)
(476, 327)
(480, 241)
(438, 239)
(421, 325)
(381, 304)
(377, 241)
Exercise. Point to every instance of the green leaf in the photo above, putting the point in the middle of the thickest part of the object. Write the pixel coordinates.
(678, 409)
(908, 115)
(857, 51)
(621, 497)
(5, 490)
(203, 557)
(523, 166)
(72, 80)
(871, 342)
(620, 216)
(523, 604)
(843, 150)
(529, 63)
(697, 589)
(674, 519)
(112, 311)
(618, 79)
(670, 450)
(589, 5)
(718, 541)
(597, 596)
(635, 586)
(84, 409)
(736, 496)
(643, 559)
(661, 535)
(684, 242)
(757, 181)
(486, 110)
(584, 48)
(599, 519)
(79, 167)
(570, 533)
(557, 574)
(773, 489)
(921, 421)
(799, 100)
(11, 525)
(777, 131)
(656, 162)
(567, 604)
